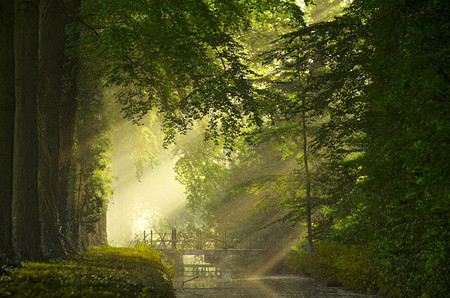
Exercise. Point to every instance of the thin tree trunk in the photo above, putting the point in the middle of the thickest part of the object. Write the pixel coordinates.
(308, 180)
(51, 60)
(6, 124)
(25, 204)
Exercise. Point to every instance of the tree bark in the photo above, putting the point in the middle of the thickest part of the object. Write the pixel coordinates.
(51, 60)
(68, 108)
(6, 124)
(25, 204)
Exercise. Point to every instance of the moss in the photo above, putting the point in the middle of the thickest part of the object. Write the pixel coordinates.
(100, 272)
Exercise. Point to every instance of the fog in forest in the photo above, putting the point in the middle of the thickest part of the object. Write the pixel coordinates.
(141, 203)
(147, 195)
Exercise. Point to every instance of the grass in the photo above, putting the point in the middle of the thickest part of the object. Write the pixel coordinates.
(100, 272)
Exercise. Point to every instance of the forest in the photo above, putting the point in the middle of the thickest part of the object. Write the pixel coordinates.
(331, 115)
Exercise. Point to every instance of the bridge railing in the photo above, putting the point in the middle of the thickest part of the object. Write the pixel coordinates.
(203, 240)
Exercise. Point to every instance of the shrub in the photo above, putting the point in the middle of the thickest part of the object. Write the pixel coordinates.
(337, 265)
(100, 272)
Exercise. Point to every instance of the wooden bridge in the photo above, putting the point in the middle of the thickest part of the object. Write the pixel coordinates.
(211, 247)
(199, 244)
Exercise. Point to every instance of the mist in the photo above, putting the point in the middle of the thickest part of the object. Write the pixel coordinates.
(138, 203)
(148, 197)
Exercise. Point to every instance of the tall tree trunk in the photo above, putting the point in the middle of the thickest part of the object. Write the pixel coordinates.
(51, 60)
(68, 108)
(308, 180)
(6, 123)
(25, 204)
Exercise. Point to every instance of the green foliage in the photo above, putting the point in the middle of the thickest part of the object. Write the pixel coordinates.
(354, 267)
(383, 90)
(219, 186)
(91, 173)
(182, 59)
(204, 169)
(350, 266)
(100, 272)
(211, 175)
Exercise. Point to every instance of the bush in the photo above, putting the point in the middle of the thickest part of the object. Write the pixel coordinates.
(337, 265)
(100, 272)
(354, 267)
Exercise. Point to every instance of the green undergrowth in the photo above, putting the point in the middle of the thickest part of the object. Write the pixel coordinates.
(350, 266)
(100, 272)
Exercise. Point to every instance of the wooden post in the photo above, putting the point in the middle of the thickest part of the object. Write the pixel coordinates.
(151, 237)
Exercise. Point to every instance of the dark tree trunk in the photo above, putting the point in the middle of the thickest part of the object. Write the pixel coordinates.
(6, 124)
(25, 204)
(68, 108)
(51, 60)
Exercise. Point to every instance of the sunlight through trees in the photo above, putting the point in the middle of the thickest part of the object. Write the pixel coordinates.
(328, 115)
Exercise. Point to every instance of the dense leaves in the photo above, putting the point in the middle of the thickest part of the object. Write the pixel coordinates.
(337, 264)
(383, 90)
(183, 59)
